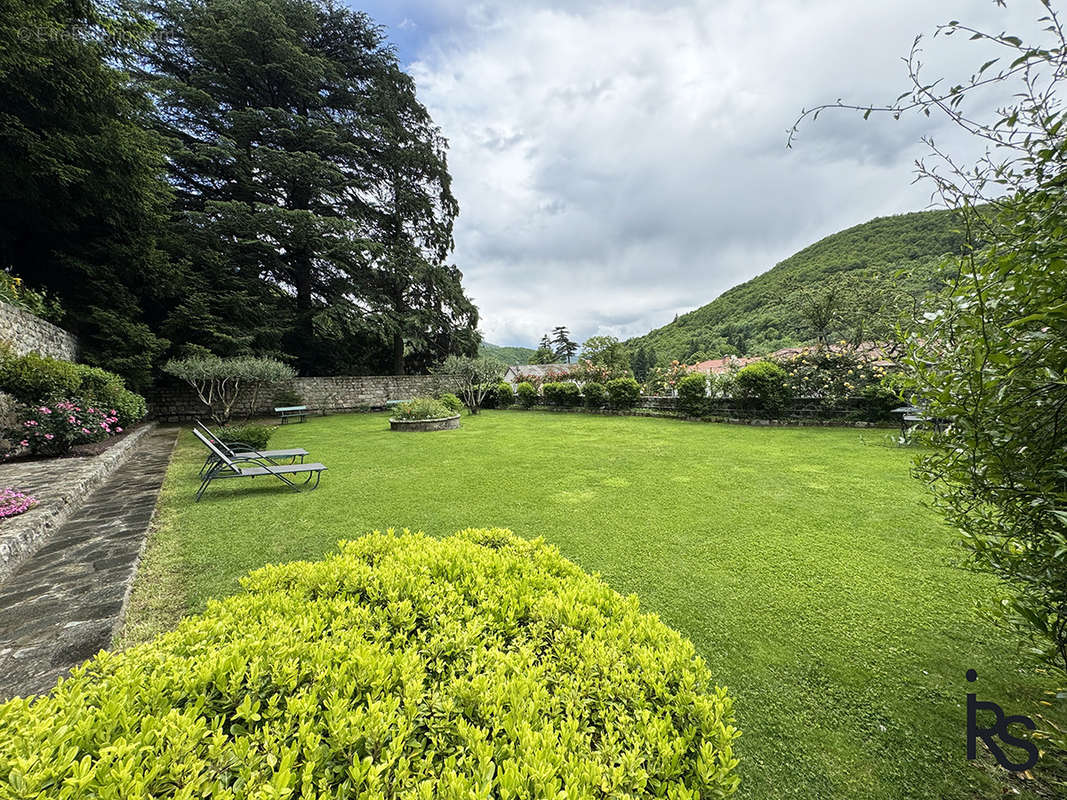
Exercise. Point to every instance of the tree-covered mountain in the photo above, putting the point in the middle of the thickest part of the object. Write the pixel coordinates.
(509, 355)
(837, 288)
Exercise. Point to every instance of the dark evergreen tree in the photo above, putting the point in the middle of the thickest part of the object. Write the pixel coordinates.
(84, 194)
(562, 345)
(312, 185)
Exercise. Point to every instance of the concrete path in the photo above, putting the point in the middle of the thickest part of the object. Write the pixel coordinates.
(64, 603)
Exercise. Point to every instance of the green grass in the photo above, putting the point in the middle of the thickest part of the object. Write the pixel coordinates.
(800, 562)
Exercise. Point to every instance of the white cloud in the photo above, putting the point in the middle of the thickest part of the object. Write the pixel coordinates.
(617, 164)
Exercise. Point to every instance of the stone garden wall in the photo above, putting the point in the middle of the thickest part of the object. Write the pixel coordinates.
(324, 395)
(28, 333)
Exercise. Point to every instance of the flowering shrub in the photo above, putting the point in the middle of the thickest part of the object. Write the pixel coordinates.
(52, 429)
(13, 502)
(664, 381)
(831, 374)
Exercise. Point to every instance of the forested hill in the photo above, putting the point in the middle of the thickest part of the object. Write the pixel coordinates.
(509, 355)
(765, 313)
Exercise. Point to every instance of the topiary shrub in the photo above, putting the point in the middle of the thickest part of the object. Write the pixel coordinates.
(257, 436)
(504, 396)
(762, 386)
(693, 395)
(623, 392)
(527, 394)
(480, 665)
(451, 402)
(594, 394)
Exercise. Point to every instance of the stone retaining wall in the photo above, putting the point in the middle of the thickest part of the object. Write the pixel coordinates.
(28, 333)
(61, 485)
(322, 395)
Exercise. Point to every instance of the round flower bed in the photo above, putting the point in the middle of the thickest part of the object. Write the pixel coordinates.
(13, 502)
(480, 665)
(423, 414)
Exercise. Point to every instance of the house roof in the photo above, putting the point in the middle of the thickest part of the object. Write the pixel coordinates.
(717, 366)
(535, 369)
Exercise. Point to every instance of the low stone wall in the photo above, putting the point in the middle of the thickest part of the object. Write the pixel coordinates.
(28, 333)
(322, 395)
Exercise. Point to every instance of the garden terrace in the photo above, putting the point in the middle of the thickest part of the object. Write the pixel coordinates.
(799, 561)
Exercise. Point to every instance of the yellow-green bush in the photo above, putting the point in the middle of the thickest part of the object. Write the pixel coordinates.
(481, 665)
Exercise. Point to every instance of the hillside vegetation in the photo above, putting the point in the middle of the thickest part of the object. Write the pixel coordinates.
(509, 355)
(885, 257)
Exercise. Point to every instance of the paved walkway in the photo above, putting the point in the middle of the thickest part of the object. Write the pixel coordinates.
(64, 602)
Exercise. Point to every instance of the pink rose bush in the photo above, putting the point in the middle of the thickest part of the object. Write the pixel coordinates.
(13, 502)
(53, 428)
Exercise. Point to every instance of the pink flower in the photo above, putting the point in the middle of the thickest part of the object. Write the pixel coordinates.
(24, 443)
(112, 412)
(118, 430)
(49, 436)
(85, 430)
(71, 420)
(103, 425)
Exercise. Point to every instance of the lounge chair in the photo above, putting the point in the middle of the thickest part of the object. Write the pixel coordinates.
(233, 449)
(249, 465)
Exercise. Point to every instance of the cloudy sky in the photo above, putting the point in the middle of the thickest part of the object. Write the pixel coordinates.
(617, 163)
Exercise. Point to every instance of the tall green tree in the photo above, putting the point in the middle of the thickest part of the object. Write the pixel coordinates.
(313, 184)
(83, 194)
(562, 345)
(607, 351)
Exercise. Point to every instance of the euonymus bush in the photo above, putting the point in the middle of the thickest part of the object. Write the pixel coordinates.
(481, 665)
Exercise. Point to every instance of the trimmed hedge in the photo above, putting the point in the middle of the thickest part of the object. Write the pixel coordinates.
(762, 386)
(481, 665)
(623, 392)
(451, 402)
(503, 395)
(527, 394)
(562, 393)
(594, 394)
(693, 395)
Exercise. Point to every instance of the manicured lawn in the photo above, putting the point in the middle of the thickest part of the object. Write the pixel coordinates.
(799, 561)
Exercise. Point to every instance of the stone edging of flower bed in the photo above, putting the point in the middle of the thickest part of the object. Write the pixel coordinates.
(22, 535)
(439, 424)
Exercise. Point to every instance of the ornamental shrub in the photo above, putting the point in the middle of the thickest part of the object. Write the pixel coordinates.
(33, 379)
(595, 395)
(527, 394)
(762, 386)
(562, 394)
(257, 436)
(623, 392)
(52, 429)
(220, 382)
(504, 396)
(451, 402)
(423, 408)
(480, 665)
(693, 395)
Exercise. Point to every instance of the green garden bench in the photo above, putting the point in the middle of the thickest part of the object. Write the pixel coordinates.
(287, 413)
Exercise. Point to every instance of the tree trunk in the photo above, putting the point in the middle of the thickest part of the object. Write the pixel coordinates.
(398, 353)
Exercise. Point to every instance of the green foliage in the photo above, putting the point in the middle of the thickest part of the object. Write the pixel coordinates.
(451, 402)
(561, 394)
(693, 395)
(607, 351)
(503, 395)
(287, 396)
(765, 314)
(507, 355)
(252, 434)
(527, 394)
(466, 634)
(33, 379)
(665, 380)
(423, 408)
(543, 355)
(476, 376)
(595, 394)
(623, 392)
(220, 382)
(92, 197)
(763, 387)
(14, 292)
(314, 204)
